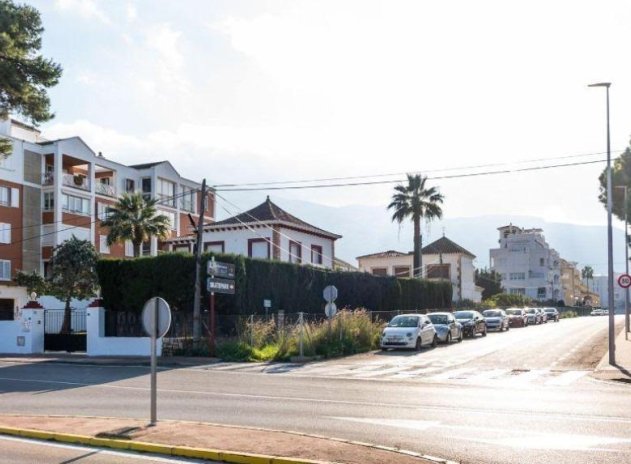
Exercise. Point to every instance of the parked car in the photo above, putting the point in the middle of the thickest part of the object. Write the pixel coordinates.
(596, 312)
(409, 331)
(447, 328)
(542, 314)
(496, 319)
(472, 323)
(533, 316)
(517, 317)
(552, 313)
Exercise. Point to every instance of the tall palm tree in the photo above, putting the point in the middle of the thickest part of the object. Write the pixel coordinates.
(416, 202)
(588, 274)
(136, 219)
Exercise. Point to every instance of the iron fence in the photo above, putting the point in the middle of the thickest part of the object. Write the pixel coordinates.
(54, 320)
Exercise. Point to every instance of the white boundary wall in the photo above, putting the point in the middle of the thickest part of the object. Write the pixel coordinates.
(24, 335)
(100, 345)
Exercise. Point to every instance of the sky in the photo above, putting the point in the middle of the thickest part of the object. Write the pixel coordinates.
(259, 91)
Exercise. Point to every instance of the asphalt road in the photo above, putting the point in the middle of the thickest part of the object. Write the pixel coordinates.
(19, 451)
(513, 397)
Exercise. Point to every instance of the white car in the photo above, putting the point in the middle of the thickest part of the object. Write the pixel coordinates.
(409, 331)
(597, 312)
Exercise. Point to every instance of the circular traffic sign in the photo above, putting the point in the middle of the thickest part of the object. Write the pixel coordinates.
(330, 309)
(156, 314)
(330, 293)
(624, 281)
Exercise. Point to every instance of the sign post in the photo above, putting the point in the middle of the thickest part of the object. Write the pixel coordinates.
(156, 320)
(220, 280)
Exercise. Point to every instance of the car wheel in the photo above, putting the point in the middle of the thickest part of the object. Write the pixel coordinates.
(419, 344)
(460, 337)
(507, 328)
(448, 341)
(484, 333)
(435, 341)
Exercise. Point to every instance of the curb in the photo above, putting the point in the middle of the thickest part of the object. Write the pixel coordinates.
(179, 451)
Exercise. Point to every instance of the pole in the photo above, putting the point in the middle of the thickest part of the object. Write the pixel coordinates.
(212, 323)
(301, 332)
(612, 335)
(252, 330)
(154, 365)
(197, 326)
(626, 268)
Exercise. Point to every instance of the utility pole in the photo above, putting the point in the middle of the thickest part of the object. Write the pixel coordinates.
(197, 326)
(626, 260)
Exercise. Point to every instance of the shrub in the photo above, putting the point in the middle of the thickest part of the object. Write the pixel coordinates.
(567, 314)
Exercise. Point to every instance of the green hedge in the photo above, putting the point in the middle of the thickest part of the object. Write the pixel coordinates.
(127, 283)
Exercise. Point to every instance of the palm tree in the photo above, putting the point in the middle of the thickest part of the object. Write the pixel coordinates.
(587, 273)
(134, 218)
(416, 202)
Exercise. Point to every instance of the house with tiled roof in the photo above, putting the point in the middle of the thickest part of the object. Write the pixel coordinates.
(267, 232)
(442, 259)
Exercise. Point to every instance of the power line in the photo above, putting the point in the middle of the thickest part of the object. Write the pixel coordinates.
(397, 181)
(488, 165)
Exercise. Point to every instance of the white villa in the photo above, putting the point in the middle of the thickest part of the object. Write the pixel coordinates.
(442, 259)
(267, 232)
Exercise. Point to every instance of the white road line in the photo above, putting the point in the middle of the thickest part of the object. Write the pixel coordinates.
(567, 378)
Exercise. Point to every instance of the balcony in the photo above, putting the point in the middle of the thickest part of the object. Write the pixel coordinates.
(69, 180)
(105, 189)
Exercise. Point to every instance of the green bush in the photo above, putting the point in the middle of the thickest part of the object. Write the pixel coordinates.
(127, 283)
(505, 300)
(567, 314)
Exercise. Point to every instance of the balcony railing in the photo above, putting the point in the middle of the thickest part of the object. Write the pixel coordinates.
(79, 182)
(105, 189)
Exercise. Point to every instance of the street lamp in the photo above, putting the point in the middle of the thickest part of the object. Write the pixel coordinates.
(626, 264)
(612, 334)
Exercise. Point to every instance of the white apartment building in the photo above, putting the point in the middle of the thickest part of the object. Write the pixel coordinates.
(527, 264)
(53, 189)
(442, 259)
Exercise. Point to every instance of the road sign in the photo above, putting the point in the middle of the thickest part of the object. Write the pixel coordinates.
(330, 309)
(222, 270)
(267, 303)
(217, 285)
(624, 281)
(156, 313)
(330, 293)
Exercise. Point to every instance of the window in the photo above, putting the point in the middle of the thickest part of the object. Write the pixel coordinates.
(541, 262)
(215, 247)
(541, 292)
(171, 217)
(103, 246)
(438, 271)
(295, 252)
(402, 271)
(517, 291)
(129, 248)
(379, 271)
(5, 269)
(316, 254)
(182, 248)
(146, 185)
(103, 211)
(166, 192)
(49, 201)
(517, 276)
(188, 200)
(145, 250)
(130, 185)
(5, 233)
(76, 205)
(9, 197)
(258, 248)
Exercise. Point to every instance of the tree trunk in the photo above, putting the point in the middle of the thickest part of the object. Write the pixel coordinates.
(66, 327)
(137, 249)
(417, 269)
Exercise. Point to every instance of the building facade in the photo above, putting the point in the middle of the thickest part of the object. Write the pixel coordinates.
(51, 190)
(527, 264)
(266, 232)
(442, 259)
(575, 290)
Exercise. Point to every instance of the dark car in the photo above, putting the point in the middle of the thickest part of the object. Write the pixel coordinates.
(553, 314)
(472, 323)
(517, 317)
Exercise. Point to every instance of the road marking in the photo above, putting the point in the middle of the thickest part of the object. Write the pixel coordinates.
(399, 423)
(567, 378)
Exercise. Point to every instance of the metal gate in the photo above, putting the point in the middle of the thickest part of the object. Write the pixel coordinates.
(74, 340)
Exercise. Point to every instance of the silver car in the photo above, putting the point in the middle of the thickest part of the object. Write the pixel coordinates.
(447, 328)
(409, 331)
(496, 319)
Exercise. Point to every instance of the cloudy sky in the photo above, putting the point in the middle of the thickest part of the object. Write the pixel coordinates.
(256, 91)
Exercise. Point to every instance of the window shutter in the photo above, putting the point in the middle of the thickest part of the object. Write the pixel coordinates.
(15, 198)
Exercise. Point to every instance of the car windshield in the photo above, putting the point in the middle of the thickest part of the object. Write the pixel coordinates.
(463, 315)
(514, 312)
(438, 318)
(550, 310)
(531, 311)
(492, 313)
(404, 321)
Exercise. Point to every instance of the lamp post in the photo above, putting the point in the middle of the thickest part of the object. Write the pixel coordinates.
(626, 264)
(612, 334)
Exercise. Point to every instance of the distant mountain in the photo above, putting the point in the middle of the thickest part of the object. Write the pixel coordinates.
(368, 229)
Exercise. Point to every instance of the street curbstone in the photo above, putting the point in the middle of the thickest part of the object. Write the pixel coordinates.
(110, 443)
(72, 438)
(280, 460)
(244, 458)
(199, 453)
(151, 447)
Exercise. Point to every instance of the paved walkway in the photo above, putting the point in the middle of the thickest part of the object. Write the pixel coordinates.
(290, 445)
(621, 372)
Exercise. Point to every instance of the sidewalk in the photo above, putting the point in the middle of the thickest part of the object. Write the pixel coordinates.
(207, 441)
(78, 358)
(621, 372)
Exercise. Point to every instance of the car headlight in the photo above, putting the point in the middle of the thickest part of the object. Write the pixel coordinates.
(409, 334)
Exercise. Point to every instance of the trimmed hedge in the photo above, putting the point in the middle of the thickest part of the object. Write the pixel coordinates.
(127, 283)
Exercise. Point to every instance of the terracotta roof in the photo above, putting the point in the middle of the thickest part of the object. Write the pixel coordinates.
(385, 254)
(269, 212)
(445, 246)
